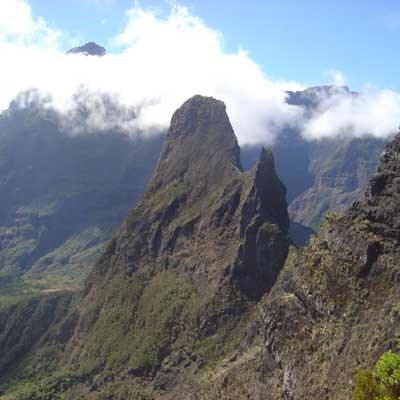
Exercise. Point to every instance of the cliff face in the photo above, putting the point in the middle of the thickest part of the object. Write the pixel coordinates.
(203, 225)
(173, 291)
(334, 307)
(381, 204)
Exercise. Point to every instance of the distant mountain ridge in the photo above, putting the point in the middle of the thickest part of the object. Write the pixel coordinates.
(311, 97)
(321, 175)
(339, 167)
(62, 195)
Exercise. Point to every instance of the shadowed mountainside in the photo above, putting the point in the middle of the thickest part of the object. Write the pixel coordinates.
(61, 196)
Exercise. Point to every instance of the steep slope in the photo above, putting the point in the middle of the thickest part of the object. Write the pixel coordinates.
(62, 195)
(173, 291)
(334, 307)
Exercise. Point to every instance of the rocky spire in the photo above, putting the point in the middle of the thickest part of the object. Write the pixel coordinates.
(264, 224)
(272, 192)
(200, 147)
(198, 193)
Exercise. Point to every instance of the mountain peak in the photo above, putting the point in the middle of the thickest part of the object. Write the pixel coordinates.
(89, 49)
(266, 157)
(272, 193)
(204, 217)
(200, 145)
(311, 97)
(194, 113)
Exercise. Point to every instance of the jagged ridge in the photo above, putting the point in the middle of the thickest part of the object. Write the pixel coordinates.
(333, 308)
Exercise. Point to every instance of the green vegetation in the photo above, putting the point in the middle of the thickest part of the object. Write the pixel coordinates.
(330, 218)
(214, 348)
(167, 302)
(136, 338)
(141, 334)
(382, 382)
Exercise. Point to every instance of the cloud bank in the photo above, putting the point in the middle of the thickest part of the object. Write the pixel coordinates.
(371, 112)
(19, 26)
(163, 60)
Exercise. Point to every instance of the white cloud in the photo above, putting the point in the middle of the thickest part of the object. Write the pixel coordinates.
(371, 112)
(163, 61)
(18, 25)
(336, 77)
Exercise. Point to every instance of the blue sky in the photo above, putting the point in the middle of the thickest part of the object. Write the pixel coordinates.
(289, 39)
(248, 54)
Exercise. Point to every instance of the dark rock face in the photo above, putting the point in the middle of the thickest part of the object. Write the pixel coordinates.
(264, 223)
(89, 49)
(381, 206)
